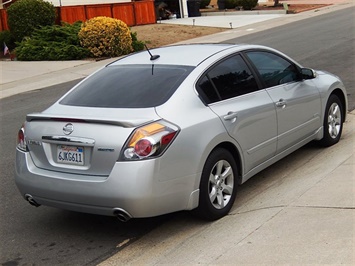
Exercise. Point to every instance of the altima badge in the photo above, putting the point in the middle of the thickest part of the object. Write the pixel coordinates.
(68, 129)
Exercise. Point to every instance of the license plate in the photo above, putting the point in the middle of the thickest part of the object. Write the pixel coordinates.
(70, 155)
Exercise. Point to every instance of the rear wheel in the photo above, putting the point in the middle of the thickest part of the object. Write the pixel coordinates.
(218, 186)
(333, 121)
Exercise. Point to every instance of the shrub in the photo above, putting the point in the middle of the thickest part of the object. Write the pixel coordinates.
(204, 3)
(105, 36)
(230, 4)
(136, 44)
(24, 16)
(7, 37)
(247, 4)
(52, 43)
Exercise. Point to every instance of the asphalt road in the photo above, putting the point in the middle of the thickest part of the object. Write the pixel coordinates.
(46, 236)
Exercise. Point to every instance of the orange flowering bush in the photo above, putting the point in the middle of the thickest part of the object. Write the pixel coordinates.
(106, 37)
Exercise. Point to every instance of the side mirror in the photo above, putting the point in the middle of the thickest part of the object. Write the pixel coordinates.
(308, 73)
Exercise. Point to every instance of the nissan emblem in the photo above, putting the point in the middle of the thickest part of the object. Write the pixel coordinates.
(68, 129)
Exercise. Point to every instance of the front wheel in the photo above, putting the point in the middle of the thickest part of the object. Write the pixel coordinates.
(333, 121)
(218, 185)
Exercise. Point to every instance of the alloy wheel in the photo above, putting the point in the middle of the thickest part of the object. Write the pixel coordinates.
(334, 120)
(221, 184)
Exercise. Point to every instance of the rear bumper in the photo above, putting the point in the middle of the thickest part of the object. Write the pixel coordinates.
(134, 187)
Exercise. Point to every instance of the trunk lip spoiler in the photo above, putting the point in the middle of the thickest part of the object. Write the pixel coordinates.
(70, 119)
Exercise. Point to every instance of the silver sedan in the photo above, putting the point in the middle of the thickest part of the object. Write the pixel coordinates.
(175, 128)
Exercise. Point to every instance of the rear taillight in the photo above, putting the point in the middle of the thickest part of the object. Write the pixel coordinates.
(21, 140)
(149, 141)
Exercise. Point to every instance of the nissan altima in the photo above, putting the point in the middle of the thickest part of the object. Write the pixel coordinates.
(175, 128)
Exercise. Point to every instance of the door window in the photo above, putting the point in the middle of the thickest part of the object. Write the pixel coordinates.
(230, 78)
(273, 69)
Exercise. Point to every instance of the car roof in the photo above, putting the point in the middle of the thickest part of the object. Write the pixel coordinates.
(187, 54)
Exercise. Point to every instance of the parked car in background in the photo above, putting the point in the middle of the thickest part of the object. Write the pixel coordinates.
(176, 128)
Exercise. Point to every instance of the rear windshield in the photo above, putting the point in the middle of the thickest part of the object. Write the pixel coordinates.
(128, 86)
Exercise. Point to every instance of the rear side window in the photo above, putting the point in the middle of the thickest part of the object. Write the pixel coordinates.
(128, 86)
(274, 70)
(230, 78)
(208, 91)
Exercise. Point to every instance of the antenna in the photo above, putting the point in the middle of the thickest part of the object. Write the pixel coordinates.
(152, 57)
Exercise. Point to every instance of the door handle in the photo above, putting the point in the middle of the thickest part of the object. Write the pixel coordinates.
(281, 103)
(230, 116)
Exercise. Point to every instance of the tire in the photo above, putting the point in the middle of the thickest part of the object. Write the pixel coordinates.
(333, 121)
(218, 185)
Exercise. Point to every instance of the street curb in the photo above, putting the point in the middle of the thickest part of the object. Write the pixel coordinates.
(243, 13)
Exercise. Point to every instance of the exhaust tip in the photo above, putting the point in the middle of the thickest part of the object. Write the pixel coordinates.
(31, 200)
(121, 215)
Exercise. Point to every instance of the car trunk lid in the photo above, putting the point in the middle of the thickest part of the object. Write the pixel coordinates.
(87, 143)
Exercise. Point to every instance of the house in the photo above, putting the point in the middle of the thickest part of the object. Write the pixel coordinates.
(177, 7)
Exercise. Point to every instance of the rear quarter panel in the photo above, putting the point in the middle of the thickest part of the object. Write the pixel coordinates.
(201, 131)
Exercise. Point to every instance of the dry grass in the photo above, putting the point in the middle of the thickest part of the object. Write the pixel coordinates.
(156, 35)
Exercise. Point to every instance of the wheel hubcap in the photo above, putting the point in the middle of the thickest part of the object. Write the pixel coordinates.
(221, 184)
(334, 120)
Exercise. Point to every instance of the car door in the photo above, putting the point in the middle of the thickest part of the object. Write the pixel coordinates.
(297, 101)
(248, 114)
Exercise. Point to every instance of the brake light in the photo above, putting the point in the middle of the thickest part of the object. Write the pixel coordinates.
(143, 147)
(149, 141)
(21, 141)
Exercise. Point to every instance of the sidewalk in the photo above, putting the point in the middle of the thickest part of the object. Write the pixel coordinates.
(17, 77)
